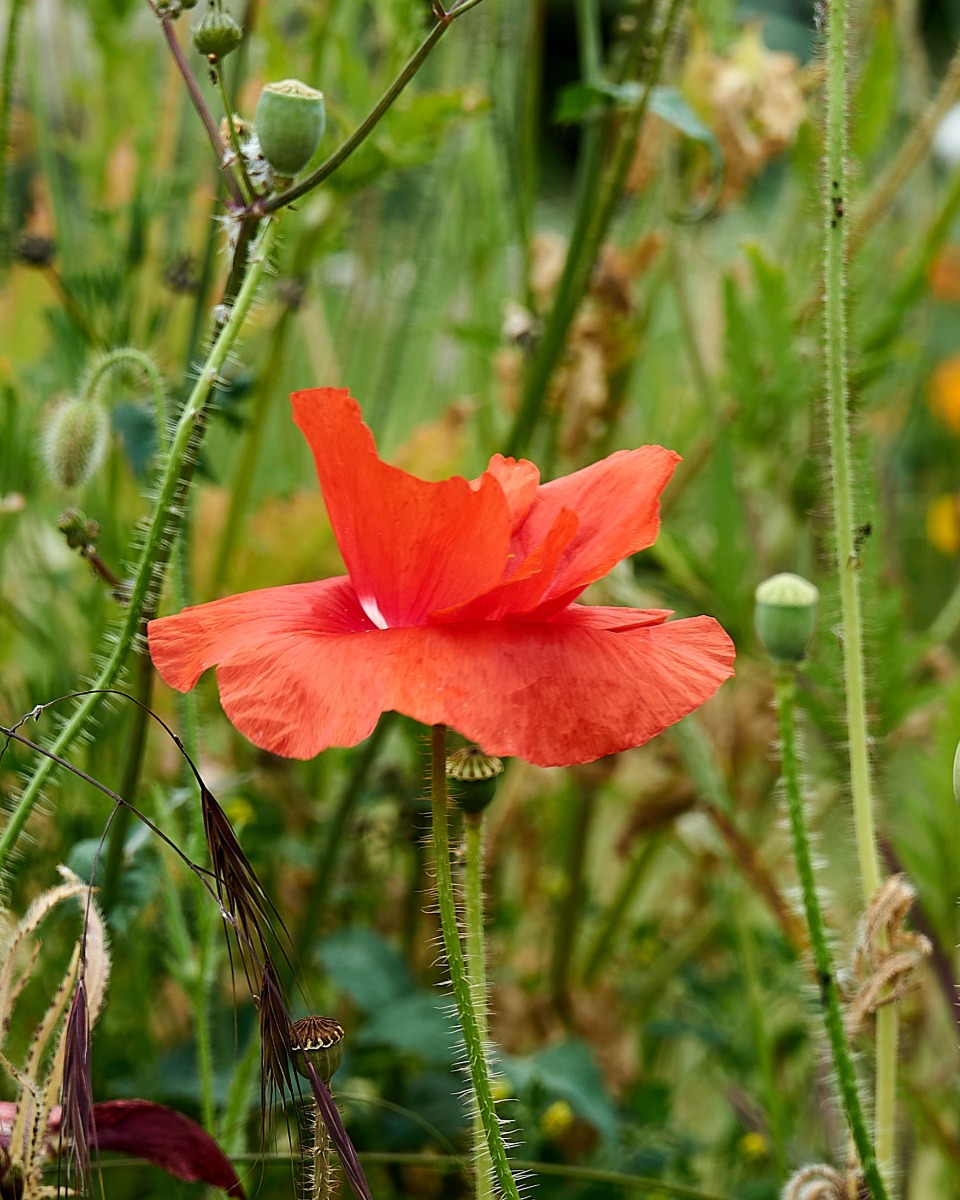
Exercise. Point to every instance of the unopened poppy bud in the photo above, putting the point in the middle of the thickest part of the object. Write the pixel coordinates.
(956, 775)
(75, 441)
(290, 120)
(478, 773)
(786, 616)
(217, 34)
(317, 1040)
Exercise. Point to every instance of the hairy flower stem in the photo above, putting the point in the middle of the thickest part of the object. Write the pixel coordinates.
(477, 967)
(823, 965)
(460, 982)
(835, 286)
(161, 534)
(130, 356)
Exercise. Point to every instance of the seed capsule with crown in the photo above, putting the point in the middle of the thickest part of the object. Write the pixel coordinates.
(290, 121)
(217, 34)
(786, 616)
(317, 1040)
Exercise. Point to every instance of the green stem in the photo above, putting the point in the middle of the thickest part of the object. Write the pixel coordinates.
(373, 118)
(253, 441)
(162, 532)
(835, 283)
(248, 188)
(626, 893)
(333, 841)
(460, 982)
(6, 105)
(130, 356)
(208, 961)
(477, 967)
(823, 965)
(760, 1036)
(572, 901)
(120, 826)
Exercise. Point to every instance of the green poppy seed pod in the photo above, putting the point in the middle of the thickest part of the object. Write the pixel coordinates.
(786, 616)
(217, 34)
(477, 773)
(290, 121)
(75, 441)
(318, 1040)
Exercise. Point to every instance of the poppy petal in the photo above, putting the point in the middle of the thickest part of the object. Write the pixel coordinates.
(525, 587)
(410, 546)
(591, 683)
(166, 1138)
(520, 481)
(184, 645)
(559, 692)
(617, 502)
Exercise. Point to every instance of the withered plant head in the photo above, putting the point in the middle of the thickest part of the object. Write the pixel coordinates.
(57, 1063)
(242, 899)
(77, 1092)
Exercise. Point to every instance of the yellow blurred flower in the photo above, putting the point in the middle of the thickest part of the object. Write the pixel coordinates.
(943, 524)
(754, 1146)
(943, 393)
(557, 1120)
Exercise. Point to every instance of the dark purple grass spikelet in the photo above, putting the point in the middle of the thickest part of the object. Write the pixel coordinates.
(280, 1075)
(239, 891)
(330, 1114)
(77, 1091)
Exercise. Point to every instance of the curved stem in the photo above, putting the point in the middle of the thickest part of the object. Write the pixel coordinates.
(823, 964)
(847, 565)
(460, 983)
(161, 534)
(477, 967)
(125, 356)
(216, 143)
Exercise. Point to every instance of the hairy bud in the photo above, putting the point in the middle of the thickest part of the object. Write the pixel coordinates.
(75, 441)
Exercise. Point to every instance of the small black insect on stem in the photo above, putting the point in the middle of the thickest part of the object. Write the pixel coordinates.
(836, 201)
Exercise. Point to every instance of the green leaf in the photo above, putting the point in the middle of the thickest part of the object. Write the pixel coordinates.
(367, 968)
(567, 1071)
(419, 1024)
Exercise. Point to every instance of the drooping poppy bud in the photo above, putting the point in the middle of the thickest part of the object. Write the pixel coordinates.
(75, 441)
(786, 616)
(290, 121)
(318, 1040)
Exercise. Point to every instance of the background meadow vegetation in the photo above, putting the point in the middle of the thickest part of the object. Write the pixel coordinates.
(653, 1006)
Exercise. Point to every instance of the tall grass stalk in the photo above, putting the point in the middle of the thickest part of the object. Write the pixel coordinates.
(835, 322)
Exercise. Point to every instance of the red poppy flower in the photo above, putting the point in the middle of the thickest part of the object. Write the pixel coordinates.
(459, 608)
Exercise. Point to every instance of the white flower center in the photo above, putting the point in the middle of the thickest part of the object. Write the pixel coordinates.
(372, 609)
